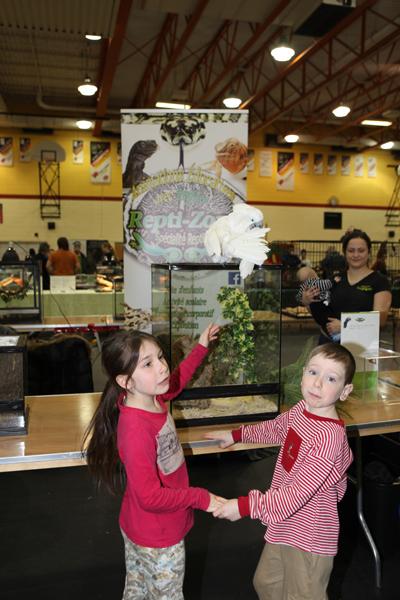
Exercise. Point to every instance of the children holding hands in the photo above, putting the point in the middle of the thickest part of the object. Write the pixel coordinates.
(300, 507)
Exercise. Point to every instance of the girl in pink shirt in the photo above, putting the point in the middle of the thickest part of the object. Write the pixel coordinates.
(133, 439)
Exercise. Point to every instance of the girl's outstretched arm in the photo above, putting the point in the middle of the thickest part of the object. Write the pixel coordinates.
(209, 334)
(223, 437)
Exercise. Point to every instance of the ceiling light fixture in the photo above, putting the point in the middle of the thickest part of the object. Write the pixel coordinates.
(341, 111)
(282, 53)
(291, 138)
(84, 124)
(92, 37)
(387, 145)
(87, 88)
(232, 100)
(174, 105)
(376, 123)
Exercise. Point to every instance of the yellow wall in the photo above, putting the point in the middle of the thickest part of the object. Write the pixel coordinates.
(95, 211)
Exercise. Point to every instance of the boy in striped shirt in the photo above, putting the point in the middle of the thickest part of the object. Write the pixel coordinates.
(300, 507)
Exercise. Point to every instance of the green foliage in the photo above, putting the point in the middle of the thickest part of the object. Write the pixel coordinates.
(236, 346)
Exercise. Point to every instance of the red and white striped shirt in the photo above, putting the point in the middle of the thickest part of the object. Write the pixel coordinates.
(300, 508)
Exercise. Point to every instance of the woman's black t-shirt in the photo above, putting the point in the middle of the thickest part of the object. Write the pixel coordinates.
(358, 297)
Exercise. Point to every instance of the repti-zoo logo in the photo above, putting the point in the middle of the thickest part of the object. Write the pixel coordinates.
(167, 215)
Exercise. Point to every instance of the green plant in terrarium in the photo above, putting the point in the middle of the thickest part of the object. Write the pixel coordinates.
(235, 350)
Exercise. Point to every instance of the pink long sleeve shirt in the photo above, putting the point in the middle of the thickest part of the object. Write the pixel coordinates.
(300, 507)
(157, 507)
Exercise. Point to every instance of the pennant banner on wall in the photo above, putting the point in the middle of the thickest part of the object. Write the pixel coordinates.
(304, 162)
(345, 165)
(359, 165)
(181, 171)
(6, 151)
(285, 172)
(318, 163)
(331, 165)
(77, 152)
(25, 147)
(265, 163)
(371, 165)
(100, 162)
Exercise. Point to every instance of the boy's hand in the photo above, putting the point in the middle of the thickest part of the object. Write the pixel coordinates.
(215, 503)
(309, 295)
(224, 438)
(229, 510)
(209, 334)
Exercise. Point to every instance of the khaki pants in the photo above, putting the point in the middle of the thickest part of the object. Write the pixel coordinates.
(286, 573)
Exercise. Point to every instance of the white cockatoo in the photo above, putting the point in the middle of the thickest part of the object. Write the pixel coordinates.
(238, 235)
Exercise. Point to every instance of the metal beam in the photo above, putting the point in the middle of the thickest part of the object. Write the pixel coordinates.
(164, 56)
(111, 61)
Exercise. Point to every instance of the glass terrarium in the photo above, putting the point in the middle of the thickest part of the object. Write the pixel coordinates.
(20, 299)
(379, 379)
(240, 378)
(12, 387)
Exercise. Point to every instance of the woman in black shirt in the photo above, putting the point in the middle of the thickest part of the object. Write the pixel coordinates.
(359, 289)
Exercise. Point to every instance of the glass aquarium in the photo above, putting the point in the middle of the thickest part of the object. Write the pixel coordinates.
(20, 298)
(12, 387)
(240, 378)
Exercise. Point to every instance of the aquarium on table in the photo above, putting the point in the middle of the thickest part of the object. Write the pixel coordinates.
(240, 378)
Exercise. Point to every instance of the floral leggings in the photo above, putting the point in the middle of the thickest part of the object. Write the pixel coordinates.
(154, 573)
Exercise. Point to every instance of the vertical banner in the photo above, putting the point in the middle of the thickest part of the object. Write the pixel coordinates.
(345, 165)
(119, 153)
(25, 147)
(77, 152)
(6, 151)
(359, 165)
(304, 162)
(265, 163)
(371, 166)
(100, 162)
(318, 163)
(180, 172)
(331, 165)
(285, 172)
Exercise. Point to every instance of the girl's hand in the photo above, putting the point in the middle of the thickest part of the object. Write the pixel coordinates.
(229, 510)
(224, 438)
(333, 326)
(215, 503)
(310, 295)
(209, 334)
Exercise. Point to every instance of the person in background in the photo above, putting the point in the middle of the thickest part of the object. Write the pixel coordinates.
(83, 261)
(132, 438)
(300, 508)
(42, 257)
(62, 261)
(333, 265)
(108, 254)
(380, 261)
(10, 255)
(359, 289)
(305, 262)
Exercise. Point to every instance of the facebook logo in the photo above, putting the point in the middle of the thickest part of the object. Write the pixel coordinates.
(233, 278)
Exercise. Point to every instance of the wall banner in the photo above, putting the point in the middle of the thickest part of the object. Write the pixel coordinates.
(6, 151)
(100, 162)
(371, 166)
(304, 162)
(181, 171)
(318, 163)
(77, 152)
(265, 163)
(359, 165)
(285, 173)
(345, 164)
(331, 165)
(25, 147)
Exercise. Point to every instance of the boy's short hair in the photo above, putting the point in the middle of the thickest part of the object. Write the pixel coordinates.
(339, 354)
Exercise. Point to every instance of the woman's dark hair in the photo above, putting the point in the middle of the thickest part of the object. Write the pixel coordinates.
(120, 354)
(43, 247)
(355, 235)
(62, 243)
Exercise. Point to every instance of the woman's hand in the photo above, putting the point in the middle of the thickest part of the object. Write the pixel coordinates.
(209, 334)
(224, 438)
(310, 295)
(333, 326)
